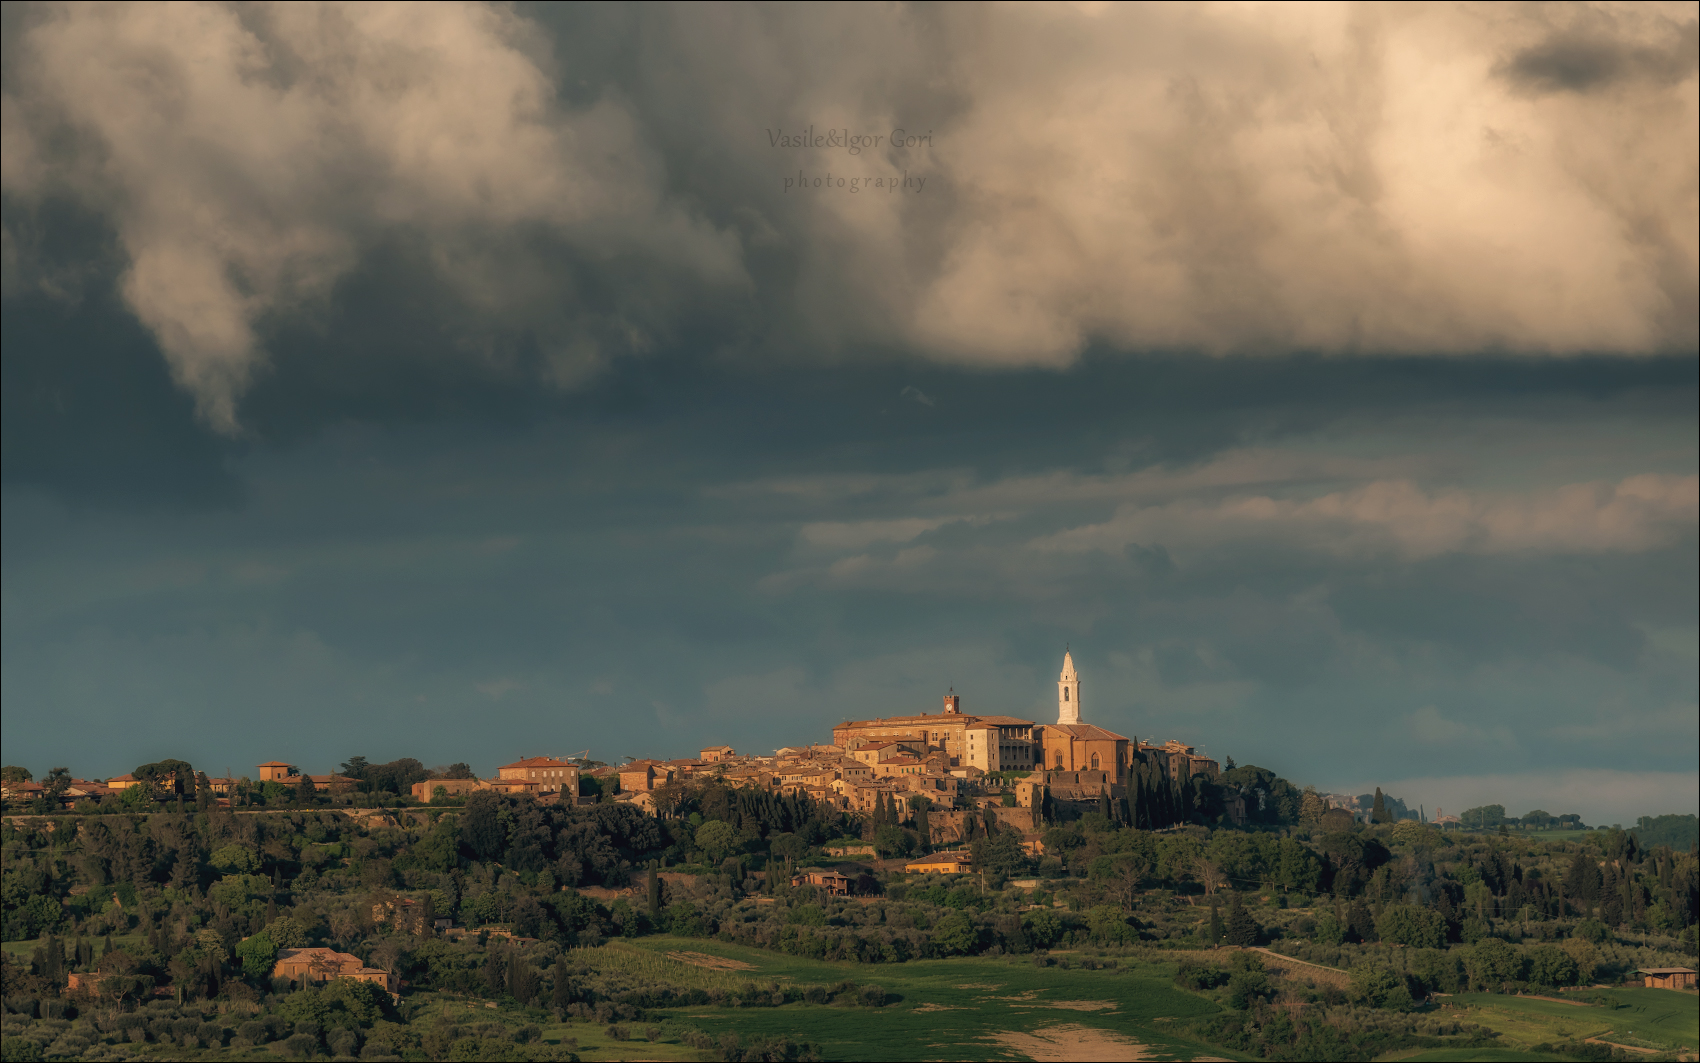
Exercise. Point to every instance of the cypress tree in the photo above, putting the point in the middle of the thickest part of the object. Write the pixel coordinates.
(654, 893)
(1214, 932)
(562, 993)
(1378, 811)
(1242, 928)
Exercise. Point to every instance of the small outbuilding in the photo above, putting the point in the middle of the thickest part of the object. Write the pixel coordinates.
(1667, 977)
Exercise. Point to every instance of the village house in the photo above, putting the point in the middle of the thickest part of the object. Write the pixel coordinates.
(953, 863)
(831, 881)
(429, 789)
(641, 776)
(551, 775)
(1179, 761)
(22, 790)
(946, 733)
(321, 965)
(289, 775)
(715, 754)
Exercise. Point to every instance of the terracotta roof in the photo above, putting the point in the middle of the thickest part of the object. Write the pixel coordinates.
(273, 764)
(959, 857)
(1086, 732)
(540, 762)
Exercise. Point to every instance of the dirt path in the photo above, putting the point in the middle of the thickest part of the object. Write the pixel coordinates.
(1626, 1048)
(718, 963)
(1332, 975)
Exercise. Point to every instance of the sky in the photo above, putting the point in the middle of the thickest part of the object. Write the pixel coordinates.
(473, 381)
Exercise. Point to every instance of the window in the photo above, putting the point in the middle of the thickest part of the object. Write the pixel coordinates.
(1094, 762)
(1065, 693)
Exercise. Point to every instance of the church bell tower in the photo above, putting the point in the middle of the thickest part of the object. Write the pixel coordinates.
(1068, 693)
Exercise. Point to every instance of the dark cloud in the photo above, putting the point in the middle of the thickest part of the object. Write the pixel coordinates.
(1572, 61)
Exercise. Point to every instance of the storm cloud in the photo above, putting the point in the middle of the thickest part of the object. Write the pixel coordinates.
(1352, 179)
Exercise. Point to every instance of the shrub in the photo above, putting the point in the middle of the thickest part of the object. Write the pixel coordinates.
(1198, 976)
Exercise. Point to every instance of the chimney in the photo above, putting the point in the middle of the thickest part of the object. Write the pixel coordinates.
(952, 704)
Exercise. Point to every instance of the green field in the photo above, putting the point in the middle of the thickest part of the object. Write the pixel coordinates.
(1473, 1055)
(939, 1009)
(1656, 1016)
(21, 950)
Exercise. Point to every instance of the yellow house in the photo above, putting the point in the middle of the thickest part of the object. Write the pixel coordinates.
(956, 863)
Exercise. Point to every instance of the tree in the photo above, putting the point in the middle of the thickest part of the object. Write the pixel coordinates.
(1378, 987)
(1419, 928)
(305, 791)
(257, 954)
(1378, 811)
(1586, 958)
(13, 773)
(480, 828)
(1311, 806)
(716, 839)
(1242, 928)
(1550, 965)
(1491, 962)
(1214, 931)
(1482, 817)
(58, 779)
(172, 776)
(1127, 874)
(561, 993)
(955, 935)
(890, 840)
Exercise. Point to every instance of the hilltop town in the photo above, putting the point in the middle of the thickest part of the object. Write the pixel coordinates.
(955, 762)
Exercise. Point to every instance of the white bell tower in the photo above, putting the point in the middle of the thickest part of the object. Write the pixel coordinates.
(1068, 692)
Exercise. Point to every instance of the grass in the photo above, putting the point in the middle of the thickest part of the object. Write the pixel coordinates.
(1471, 1055)
(940, 1008)
(1653, 1016)
(21, 950)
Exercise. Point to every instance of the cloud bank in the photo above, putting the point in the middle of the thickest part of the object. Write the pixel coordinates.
(1223, 179)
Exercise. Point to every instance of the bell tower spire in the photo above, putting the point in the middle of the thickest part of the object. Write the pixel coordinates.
(1068, 692)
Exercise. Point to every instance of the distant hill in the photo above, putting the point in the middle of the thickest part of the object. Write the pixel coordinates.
(1678, 832)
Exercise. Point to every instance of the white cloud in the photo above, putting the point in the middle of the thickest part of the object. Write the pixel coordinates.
(855, 535)
(1398, 517)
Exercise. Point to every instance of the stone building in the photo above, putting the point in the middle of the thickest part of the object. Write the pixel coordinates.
(550, 775)
(962, 738)
(327, 965)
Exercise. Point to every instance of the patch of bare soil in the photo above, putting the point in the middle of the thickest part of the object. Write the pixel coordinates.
(718, 963)
(924, 1008)
(1072, 1044)
(1020, 998)
(979, 985)
(1080, 1005)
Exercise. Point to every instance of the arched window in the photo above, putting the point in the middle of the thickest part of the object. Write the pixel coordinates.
(1059, 758)
(1065, 693)
(1094, 762)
